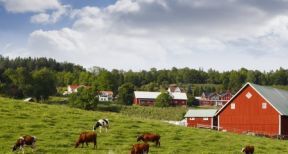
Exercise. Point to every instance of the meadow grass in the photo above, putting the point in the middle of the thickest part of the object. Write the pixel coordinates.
(57, 127)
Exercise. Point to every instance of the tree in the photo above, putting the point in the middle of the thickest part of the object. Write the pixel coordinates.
(163, 100)
(44, 84)
(192, 101)
(126, 93)
(85, 98)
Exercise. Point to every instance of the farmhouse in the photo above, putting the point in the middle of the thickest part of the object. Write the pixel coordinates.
(146, 98)
(72, 89)
(173, 88)
(105, 96)
(215, 99)
(255, 109)
(200, 118)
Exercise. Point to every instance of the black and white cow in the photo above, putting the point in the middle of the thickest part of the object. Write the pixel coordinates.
(101, 123)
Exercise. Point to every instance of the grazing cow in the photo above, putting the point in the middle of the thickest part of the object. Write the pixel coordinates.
(248, 149)
(86, 137)
(25, 140)
(101, 123)
(149, 137)
(140, 148)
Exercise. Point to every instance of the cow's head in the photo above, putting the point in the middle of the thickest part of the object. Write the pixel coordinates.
(139, 138)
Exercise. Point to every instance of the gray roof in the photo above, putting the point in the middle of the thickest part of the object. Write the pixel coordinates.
(276, 97)
(200, 113)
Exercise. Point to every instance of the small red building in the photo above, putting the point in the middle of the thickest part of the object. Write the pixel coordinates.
(146, 98)
(257, 109)
(200, 118)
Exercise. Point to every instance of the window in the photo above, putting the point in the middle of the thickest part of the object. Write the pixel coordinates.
(233, 105)
(264, 105)
(248, 95)
(205, 118)
(192, 118)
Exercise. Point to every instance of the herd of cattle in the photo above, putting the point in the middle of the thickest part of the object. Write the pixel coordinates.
(91, 136)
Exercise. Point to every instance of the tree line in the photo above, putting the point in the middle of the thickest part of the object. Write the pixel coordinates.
(43, 77)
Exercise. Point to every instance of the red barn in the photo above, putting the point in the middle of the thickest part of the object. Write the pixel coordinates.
(257, 109)
(200, 118)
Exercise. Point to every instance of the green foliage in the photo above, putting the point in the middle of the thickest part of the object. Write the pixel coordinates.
(154, 112)
(192, 101)
(44, 84)
(57, 127)
(163, 100)
(126, 93)
(85, 98)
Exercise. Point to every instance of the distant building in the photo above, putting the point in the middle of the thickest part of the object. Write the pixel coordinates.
(173, 88)
(105, 96)
(73, 89)
(200, 118)
(146, 98)
(214, 99)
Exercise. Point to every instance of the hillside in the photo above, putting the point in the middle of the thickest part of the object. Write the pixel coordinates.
(57, 128)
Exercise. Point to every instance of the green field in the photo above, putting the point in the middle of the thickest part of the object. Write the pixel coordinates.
(57, 127)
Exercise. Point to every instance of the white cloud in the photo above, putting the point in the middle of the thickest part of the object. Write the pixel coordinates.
(21, 6)
(45, 18)
(140, 34)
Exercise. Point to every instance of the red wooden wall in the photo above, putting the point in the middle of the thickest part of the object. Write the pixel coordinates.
(248, 115)
(193, 123)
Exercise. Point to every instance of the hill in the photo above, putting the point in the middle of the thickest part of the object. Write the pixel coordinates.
(57, 127)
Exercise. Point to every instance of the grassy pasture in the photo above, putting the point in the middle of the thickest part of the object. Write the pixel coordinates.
(57, 127)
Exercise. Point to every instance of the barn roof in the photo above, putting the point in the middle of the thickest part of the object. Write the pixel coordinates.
(200, 113)
(178, 95)
(276, 97)
(146, 94)
(153, 95)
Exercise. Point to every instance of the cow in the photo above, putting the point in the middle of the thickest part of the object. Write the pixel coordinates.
(101, 123)
(26, 140)
(149, 137)
(86, 137)
(140, 148)
(248, 149)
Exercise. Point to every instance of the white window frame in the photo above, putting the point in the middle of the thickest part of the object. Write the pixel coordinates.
(264, 105)
(192, 118)
(248, 95)
(233, 106)
(205, 118)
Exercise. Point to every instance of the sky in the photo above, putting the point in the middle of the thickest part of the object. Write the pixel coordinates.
(143, 34)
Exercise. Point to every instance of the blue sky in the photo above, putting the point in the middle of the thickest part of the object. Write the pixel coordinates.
(141, 34)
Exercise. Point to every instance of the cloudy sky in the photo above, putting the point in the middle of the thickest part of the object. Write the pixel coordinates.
(140, 34)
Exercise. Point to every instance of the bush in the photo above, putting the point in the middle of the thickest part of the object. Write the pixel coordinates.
(163, 100)
(84, 99)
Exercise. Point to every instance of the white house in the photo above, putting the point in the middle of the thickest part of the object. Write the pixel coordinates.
(105, 96)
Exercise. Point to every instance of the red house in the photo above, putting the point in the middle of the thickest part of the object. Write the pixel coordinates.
(215, 99)
(256, 109)
(146, 98)
(200, 118)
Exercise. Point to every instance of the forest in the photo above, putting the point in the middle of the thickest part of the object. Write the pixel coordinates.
(44, 77)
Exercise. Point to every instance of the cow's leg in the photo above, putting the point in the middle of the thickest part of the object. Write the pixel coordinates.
(87, 144)
(100, 128)
(95, 144)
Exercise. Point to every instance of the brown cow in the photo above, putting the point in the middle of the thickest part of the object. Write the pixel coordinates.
(149, 137)
(86, 137)
(248, 149)
(25, 140)
(140, 148)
